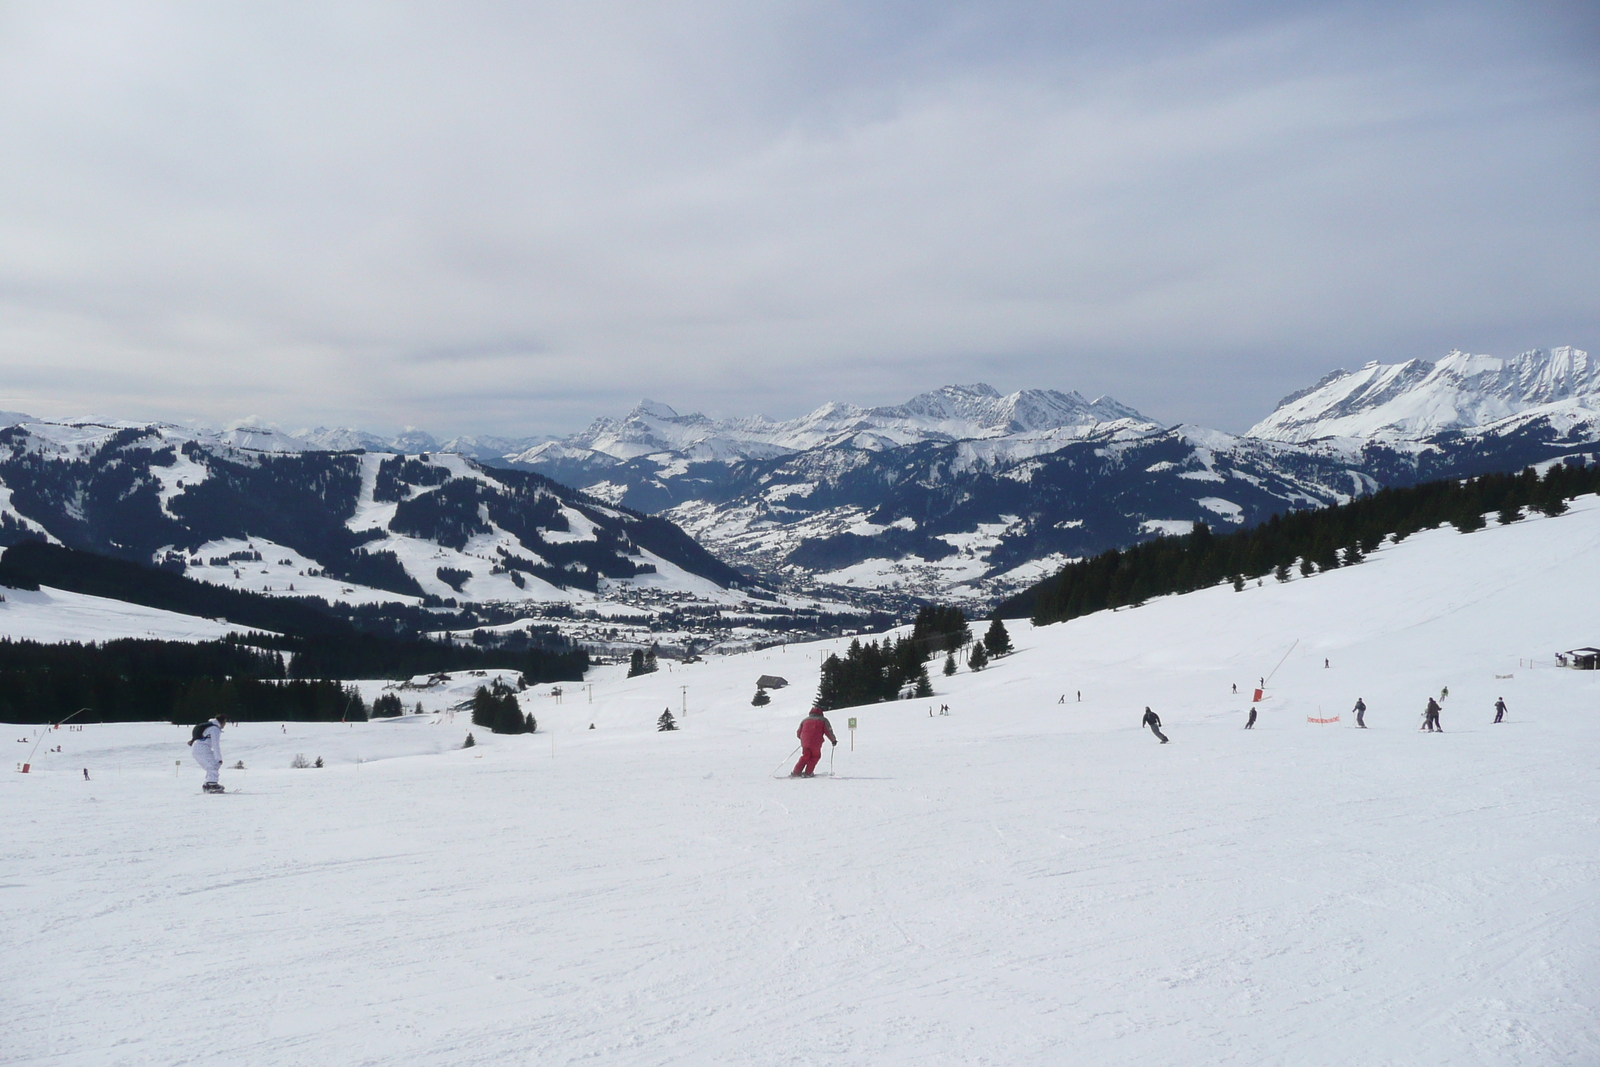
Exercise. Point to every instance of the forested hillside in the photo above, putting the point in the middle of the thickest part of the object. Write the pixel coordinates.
(1302, 542)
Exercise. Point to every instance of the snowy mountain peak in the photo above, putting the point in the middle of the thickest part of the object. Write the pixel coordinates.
(653, 409)
(1414, 399)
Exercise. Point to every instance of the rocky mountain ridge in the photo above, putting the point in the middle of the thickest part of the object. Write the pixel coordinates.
(1412, 400)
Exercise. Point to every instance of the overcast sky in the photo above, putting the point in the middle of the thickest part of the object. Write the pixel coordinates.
(510, 218)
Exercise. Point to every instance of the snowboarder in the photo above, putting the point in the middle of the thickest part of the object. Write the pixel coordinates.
(1152, 720)
(1430, 717)
(813, 728)
(1499, 709)
(1250, 724)
(1361, 711)
(207, 745)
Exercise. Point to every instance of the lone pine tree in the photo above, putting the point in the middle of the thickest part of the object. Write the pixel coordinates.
(997, 642)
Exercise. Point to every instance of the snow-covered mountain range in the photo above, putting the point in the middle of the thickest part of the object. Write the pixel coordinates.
(342, 525)
(965, 492)
(1416, 399)
(960, 492)
(954, 413)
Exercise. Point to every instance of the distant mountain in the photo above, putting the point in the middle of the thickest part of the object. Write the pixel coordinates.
(960, 492)
(653, 458)
(336, 524)
(1414, 400)
(340, 439)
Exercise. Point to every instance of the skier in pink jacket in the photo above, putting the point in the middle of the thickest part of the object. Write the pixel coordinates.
(813, 728)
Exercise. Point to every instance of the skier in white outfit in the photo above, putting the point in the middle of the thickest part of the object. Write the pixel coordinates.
(208, 751)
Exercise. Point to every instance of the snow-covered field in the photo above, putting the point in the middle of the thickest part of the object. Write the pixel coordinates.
(47, 614)
(1022, 881)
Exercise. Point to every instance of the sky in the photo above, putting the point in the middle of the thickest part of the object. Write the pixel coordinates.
(512, 218)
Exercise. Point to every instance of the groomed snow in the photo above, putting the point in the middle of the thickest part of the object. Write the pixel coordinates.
(1023, 881)
(52, 615)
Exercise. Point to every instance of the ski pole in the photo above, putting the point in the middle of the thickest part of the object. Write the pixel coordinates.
(785, 759)
(831, 753)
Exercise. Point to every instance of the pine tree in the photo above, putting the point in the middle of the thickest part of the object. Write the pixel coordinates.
(1281, 572)
(980, 658)
(760, 700)
(997, 642)
(1511, 512)
(636, 663)
(1238, 583)
(666, 722)
(949, 664)
(924, 685)
(469, 742)
(485, 709)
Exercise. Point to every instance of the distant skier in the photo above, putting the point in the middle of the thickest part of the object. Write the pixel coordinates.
(1250, 724)
(1235, 688)
(1152, 720)
(813, 728)
(1430, 717)
(1500, 709)
(1361, 711)
(207, 745)
(1324, 662)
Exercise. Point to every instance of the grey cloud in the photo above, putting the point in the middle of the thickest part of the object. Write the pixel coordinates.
(510, 218)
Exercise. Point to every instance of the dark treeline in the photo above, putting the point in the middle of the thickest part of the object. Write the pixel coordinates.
(940, 629)
(496, 708)
(1303, 541)
(257, 678)
(870, 673)
(143, 681)
(372, 656)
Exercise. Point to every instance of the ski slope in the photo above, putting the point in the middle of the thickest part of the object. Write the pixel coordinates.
(1022, 881)
(53, 615)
